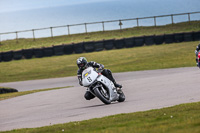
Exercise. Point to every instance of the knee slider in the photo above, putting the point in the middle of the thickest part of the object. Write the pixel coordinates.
(88, 96)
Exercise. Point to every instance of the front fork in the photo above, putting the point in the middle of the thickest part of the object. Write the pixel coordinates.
(113, 95)
(91, 89)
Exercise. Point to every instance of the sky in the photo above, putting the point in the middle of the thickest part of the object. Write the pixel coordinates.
(17, 5)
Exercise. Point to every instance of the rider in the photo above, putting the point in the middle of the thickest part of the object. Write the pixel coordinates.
(83, 64)
(196, 52)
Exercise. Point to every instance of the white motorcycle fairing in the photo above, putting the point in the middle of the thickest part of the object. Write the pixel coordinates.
(90, 77)
(109, 84)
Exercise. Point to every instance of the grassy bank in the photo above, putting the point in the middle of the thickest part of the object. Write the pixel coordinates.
(137, 31)
(183, 118)
(132, 59)
(15, 94)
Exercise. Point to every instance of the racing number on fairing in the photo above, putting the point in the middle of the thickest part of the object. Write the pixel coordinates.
(89, 79)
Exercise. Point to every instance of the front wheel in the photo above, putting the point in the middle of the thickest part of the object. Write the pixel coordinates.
(102, 95)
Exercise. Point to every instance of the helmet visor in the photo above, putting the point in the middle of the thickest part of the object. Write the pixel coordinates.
(81, 65)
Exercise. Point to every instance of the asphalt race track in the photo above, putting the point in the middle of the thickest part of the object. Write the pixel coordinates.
(144, 90)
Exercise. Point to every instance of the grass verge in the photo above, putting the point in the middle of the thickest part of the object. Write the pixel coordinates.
(15, 94)
(118, 60)
(184, 118)
(94, 36)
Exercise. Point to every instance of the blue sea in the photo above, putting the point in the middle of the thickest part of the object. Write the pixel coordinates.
(94, 12)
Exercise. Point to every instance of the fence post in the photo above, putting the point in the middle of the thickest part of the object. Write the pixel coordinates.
(154, 20)
(0, 38)
(16, 37)
(103, 26)
(33, 35)
(189, 17)
(120, 24)
(68, 29)
(137, 22)
(172, 19)
(51, 31)
(85, 27)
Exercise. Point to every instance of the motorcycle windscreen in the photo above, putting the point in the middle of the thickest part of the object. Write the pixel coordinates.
(89, 76)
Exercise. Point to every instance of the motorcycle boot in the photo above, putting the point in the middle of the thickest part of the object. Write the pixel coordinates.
(197, 61)
(118, 87)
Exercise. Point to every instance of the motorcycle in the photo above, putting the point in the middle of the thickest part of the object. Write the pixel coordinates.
(100, 86)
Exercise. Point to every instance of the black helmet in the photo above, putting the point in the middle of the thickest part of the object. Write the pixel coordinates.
(81, 62)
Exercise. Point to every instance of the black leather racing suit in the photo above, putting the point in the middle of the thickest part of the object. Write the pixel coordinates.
(105, 72)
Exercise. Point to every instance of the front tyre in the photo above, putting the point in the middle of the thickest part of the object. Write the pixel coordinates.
(103, 96)
(121, 97)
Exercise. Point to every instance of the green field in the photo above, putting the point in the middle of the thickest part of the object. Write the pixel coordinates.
(131, 59)
(183, 118)
(94, 36)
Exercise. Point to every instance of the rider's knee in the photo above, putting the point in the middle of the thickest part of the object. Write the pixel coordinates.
(108, 70)
(88, 96)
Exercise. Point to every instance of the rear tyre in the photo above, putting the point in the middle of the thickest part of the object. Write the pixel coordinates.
(104, 97)
(121, 97)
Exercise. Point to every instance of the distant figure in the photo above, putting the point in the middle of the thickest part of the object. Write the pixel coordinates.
(196, 52)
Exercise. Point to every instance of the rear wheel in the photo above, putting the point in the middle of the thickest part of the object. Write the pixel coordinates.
(103, 95)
